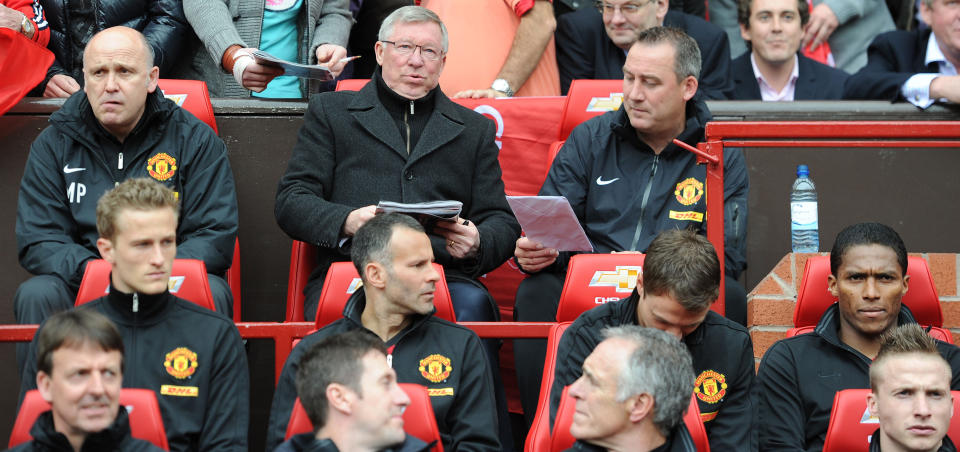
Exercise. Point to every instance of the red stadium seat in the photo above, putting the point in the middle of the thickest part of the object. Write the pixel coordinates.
(562, 439)
(554, 150)
(233, 280)
(191, 95)
(538, 438)
(188, 280)
(594, 279)
(142, 409)
(418, 418)
(589, 98)
(352, 84)
(813, 297)
(303, 257)
(850, 422)
(342, 280)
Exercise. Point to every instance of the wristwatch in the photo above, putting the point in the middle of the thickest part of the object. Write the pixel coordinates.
(502, 86)
(26, 27)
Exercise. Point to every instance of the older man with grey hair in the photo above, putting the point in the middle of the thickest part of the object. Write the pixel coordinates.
(635, 387)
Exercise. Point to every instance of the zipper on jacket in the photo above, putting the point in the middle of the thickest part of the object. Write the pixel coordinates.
(120, 161)
(643, 203)
(136, 303)
(406, 125)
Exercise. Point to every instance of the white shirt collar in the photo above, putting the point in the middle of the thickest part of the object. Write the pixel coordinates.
(935, 55)
(767, 92)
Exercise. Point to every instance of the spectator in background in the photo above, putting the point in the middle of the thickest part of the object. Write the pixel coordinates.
(517, 59)
(301, 31)
(724, 13)
(593, 43)
(369, 15)
(695, 7)
(80, 362)
(393, 256)
(635, 387)
(74, 22)
(910, 393)
(774, 69)
(868, 265)
(918, 66)
(350, 393)
(119, 127)
(25, 17)
(192, 357)
(848, 26)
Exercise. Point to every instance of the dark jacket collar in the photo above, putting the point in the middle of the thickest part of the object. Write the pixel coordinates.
(394, 102)
(627, 313)
(306, 442)
(946, 446)
(678, 441)
(76, 118)
(697, 116)
(353, 312)
(44, 433)
(828, 327)
(149, 309)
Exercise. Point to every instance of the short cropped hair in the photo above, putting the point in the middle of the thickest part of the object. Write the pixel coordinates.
(138, 193)
(744, 11)
(412, 15)
(686, 60)
(867, 234)
(371, 243)
(73, 329)
(335, 359)
(683, 265)
(661, 366)
(904, 339)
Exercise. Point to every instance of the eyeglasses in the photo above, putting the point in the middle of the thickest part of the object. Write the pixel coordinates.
(627, 9)
(407, 48)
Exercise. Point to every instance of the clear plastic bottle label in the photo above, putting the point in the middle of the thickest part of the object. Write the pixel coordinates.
(803, 215)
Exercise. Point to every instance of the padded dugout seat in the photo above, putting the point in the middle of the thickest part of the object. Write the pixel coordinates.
(561, 439)
(851, 424)
(586, 99)
(814, 297)
(538, 438)
(142, 409)
(342, 280)
(418, 418)
(352, 84)
(188, 280)
(594, 279)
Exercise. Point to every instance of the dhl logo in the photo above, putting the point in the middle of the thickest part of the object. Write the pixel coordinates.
(180, 391)
(623, 279)
(435, 392)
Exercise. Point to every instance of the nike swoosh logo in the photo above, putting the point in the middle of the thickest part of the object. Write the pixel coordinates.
(68, 170)
(600, 180)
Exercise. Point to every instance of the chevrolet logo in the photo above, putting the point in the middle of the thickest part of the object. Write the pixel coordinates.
(624, 278)
(355, 284)
(602, 104)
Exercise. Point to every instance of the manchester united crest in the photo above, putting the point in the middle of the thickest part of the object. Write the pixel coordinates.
(180, 363)
(161, 166)
(710, 386)
(435, 368)
(689, 191)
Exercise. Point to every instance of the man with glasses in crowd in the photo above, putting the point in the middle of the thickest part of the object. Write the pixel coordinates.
(593, 43)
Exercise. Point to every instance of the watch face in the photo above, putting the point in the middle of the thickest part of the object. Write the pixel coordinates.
(500, 85)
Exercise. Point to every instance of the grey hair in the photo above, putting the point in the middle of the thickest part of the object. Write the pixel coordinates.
(412, 15)
(660, 366)
(686, 60)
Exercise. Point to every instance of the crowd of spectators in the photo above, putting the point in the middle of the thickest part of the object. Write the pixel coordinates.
(401, 138)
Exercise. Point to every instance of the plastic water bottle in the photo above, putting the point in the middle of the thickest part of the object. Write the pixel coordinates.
(804, 228)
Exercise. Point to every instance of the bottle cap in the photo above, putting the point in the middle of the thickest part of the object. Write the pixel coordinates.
(802, 171)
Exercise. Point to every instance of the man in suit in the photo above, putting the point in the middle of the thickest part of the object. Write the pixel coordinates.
(918, 66)
(773, 69)
(401, 139)
(593, 43)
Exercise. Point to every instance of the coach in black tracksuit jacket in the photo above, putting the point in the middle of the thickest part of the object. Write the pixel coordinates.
(722, 359)
(192, 357)
(799, 376)
(116, 437)
(462, 401)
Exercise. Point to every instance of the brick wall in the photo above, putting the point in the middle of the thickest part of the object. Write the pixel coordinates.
(770, 304)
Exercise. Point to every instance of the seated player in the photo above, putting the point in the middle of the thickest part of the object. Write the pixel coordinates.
(393, 256)
(190, 356)
(798, 376)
